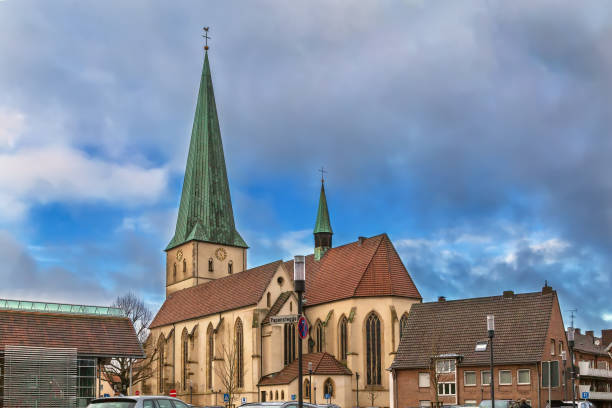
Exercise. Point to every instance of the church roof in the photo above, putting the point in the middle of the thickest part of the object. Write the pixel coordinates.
(367, 267)
(276, 307)
(322, 364)
(454, 327)
(322, 224)
(231, 292)
(205, 212)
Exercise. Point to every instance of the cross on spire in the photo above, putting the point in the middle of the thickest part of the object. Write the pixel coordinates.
(322, 171)
(206, 37)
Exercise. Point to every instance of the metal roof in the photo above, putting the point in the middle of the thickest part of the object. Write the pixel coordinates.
(31, 306)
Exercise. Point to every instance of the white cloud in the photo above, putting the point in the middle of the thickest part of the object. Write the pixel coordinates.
(12, 125)
(607, 317)
(60, 173)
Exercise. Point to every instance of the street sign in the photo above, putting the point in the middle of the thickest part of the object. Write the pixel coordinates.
(244, 400)
(225, 397)
(585, 395)
(137, 392)
(106, 395)
(302, 328)
(293, 397)
(327, 396)
(172, 393)
(283, 319)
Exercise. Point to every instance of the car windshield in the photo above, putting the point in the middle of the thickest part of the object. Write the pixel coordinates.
(117, 403)
(498, 404)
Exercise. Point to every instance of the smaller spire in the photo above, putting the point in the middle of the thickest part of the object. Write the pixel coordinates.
(323, 230)
(206, 37)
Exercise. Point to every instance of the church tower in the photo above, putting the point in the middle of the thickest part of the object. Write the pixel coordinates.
(206, 244)
(323, 230)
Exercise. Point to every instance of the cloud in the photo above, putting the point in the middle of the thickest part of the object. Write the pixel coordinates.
(12, 124)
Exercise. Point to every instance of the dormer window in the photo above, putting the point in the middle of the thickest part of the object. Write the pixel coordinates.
(210, 265)
(230, 267)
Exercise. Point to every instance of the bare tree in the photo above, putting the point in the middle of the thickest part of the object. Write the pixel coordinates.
(117, 372)
(373, 394)
(434, 372)
(227, 370)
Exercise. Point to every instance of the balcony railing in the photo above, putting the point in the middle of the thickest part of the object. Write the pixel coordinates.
(600, 396)
(587, 371)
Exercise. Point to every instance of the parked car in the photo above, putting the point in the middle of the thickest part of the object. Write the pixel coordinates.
(142, 401)
(498, 404)
(579, 404)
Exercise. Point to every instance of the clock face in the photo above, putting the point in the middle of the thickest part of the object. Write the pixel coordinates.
(221, 254)
(179, 254)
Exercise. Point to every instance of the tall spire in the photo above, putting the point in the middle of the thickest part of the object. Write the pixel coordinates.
(322, 230)
(205, 212)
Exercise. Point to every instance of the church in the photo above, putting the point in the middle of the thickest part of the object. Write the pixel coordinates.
(214, 334)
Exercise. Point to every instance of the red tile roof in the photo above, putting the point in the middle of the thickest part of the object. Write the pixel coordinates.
(359, 269)
(586, 344)
(322, 364)
(96, 336)
(454, 327)
(276, 307)
(227, 293)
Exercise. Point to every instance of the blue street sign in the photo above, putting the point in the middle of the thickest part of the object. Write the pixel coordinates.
(327, 396)
(292, 397)
(244, 400)
(225, 397)
(585, 395)
(106, 395)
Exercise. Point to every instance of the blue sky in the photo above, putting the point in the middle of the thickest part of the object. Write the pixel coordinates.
(475, 134)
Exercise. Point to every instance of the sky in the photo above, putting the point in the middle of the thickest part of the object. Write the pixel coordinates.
(475, 134)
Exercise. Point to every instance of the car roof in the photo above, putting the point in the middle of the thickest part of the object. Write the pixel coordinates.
(134, 398)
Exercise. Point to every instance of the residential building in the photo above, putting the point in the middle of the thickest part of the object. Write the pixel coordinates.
(52, 354)
(444, 347)
(217, 310)
(593, 361)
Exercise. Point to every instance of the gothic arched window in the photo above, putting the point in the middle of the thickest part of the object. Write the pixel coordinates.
(373, 353)
(306, 388)
(184, 266)
(185, 352)
(403, 324)
(328, 387)
(343, 338)
(174, 272)
(289, 342)
(209, 356)
(230, 267)
(282, 395)
(210, 265)
(276, 395)
(160, 366)
(319, 336)
(239, 353)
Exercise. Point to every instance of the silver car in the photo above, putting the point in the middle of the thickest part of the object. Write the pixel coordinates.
(142, 401)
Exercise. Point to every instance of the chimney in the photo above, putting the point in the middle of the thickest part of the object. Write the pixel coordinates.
(361, 239)
(441, 298)
(546, 289)
(606, 337)
(590, 333)
(508, 294)
(577, 330)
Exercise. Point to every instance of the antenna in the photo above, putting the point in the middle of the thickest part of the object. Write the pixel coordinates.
(572, 315)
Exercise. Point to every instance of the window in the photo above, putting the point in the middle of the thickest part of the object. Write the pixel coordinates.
(445, 366)
(209, 357)
(328, 387)
(485, 377)
(185, 353)
(291, 306)
(403, 324)
(184, 266)
(306, 388)
(524, 376)
(179, 404)
(342, 338)
(552, 347)
(268, 300)
(271, 396)
(289, 341)
(276, 395)
(210, 265)
(164, 403)
(174, 272)
(230, 267)
(239, 354)
(319, 336)
(446, 388)
(469, 378)
(505, 377)
(552, 368)
(160, 367)
(423, 380)
(560, 347)
(373, 352)
(470, 403)
(283, 395)
(148, 404)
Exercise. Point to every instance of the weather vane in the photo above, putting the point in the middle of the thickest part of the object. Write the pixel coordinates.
(322, 171)
(206, 37)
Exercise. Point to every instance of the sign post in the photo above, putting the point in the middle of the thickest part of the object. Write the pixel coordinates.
(172, 393)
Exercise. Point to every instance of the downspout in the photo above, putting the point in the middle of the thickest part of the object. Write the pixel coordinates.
(395, 396)
(539, 384)
(260, 359)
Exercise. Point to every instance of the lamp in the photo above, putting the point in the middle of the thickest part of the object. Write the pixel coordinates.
(491, 330)
(299, 281)
(570, 343)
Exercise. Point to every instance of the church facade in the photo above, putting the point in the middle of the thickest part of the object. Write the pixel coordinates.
(213, 334)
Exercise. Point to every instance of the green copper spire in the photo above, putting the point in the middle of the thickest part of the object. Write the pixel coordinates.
(205, 213)
(323, 230)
